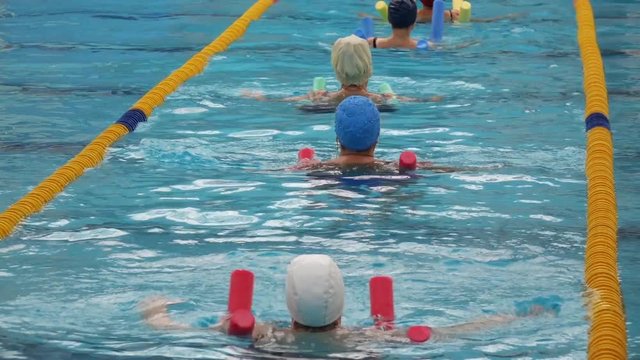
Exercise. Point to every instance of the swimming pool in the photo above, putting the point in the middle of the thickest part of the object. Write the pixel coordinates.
(190, 196)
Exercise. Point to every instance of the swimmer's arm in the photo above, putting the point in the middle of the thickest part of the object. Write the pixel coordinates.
(427, 165)
(154, 312)
(385, 98)
(477, 325)
(422, 100)
(451, 15)
(540, 306)
(424, 16)
(306, 164)
(442, 333)
(295, 98)
(258, 95)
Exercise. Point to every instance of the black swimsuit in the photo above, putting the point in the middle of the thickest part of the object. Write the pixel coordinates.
(375, 40)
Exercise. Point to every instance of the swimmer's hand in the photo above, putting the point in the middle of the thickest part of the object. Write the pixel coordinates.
(260, 96)
(261, 331)
(427, 165)
(318, 96)
(155, 313)
(453, 15)
(306, 164)
(253, 94)
(388, 97)
(540, 305)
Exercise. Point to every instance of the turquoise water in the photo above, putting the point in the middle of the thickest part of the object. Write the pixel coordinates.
(191, 195)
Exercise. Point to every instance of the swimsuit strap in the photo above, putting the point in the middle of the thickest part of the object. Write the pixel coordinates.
(375, 40)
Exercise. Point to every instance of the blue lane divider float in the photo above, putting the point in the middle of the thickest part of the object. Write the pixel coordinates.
(597, 120)
(131, 118)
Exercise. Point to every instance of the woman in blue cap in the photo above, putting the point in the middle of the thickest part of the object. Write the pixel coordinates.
(357, 127)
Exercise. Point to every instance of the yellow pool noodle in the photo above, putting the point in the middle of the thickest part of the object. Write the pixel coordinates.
(457, 4)
(465, 12)
(382, 8)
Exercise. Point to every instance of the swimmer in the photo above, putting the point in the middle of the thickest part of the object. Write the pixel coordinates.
(352, 64)
(357, 127)
(315, 300)
(402, 16)
(425, 14)
(450, 15)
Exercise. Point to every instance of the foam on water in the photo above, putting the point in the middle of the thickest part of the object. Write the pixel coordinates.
(93, 234)
(194, 216)
(189, 110)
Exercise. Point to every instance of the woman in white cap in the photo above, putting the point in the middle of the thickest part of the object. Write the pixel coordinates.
(315, 299)
(315, 293)
(353, 66)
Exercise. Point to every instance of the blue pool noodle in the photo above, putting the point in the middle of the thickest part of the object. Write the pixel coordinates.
(365, 30)
(437, 21)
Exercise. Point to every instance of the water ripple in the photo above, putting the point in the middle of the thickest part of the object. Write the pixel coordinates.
(499, 178)
(212, 183)
(194, 216)
(93, 234)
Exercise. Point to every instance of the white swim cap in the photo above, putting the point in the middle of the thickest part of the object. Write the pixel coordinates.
(351, 60)
(315, 291)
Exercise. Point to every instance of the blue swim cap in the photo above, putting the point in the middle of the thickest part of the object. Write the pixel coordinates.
(357, 123)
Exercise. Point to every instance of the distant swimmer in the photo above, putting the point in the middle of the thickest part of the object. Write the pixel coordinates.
(402, 15)
(425, 14)
(352, 64)
(315, 300)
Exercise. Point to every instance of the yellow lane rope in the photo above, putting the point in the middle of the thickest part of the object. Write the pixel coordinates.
(94, 153)
(607, 335)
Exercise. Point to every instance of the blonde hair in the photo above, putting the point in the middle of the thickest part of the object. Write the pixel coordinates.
(351, 60)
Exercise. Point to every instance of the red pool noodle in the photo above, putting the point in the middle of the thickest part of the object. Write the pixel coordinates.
(306, 154)
(381, 298)
(419, 333)
(408, 160)
(241, 321)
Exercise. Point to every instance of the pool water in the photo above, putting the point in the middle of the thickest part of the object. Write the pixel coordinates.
(199, 190)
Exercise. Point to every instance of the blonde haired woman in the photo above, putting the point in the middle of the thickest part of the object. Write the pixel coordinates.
(352, 64)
